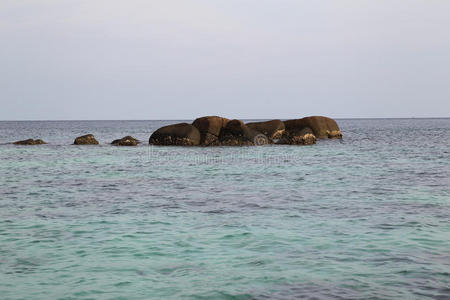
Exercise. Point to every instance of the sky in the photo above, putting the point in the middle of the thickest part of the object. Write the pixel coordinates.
(181, 59)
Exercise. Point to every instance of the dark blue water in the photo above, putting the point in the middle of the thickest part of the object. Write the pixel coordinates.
(365, 217)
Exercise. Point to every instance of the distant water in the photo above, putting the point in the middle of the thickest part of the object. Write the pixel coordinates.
(365, 217)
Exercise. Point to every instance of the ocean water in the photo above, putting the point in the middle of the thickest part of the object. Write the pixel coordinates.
(367, 217)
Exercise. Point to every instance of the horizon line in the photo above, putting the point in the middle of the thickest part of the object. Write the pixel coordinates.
(343, 118)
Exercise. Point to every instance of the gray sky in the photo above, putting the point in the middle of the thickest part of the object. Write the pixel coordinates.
(176, 59)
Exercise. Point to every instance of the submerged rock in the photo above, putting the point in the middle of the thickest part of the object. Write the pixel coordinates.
(87, 139)
(125, 141)
(30, 142)
(209, 128)
(322, 127)
(182, 134)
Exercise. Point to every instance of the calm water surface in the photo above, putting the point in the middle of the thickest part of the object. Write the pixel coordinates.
(365, 217)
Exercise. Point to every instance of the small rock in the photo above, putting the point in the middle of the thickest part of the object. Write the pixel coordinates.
(30, 142)
(87, 139)
(125, 141)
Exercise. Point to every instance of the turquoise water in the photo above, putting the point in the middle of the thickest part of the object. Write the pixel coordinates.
(365, 217)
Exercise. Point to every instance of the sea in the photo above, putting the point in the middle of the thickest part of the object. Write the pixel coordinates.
(365, 217)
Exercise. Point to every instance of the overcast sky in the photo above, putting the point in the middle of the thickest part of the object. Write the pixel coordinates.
(179, 59)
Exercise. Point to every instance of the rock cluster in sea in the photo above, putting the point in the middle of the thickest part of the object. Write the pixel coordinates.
(87, 139)
(219, 131)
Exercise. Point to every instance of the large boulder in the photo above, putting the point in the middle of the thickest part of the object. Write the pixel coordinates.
(304, 136)
(30, 142)
(87, 139)
(182, 134)
(236, 133)
(322, 127)
(209, 128)
(125, 141)
(272, 129)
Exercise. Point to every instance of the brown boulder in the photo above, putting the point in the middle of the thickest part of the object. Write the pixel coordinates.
(304, 136)
(272, 129)
(209, 128)
(30, 142)
(236, 133)
(87, 139)
(181, 134)
(125, 141)
(322, 127)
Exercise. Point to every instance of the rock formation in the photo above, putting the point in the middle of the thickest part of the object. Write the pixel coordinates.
(273, 129)
(322, 127)
(125, 141)
(236, 133)
(182, 134)
(209, 128)
(30, 142)
(87, 139)
(218, 131)
(304, 136)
